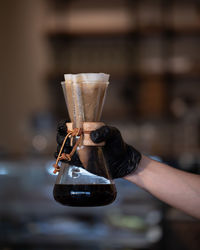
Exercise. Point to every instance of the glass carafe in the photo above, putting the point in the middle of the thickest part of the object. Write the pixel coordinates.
(86, 180)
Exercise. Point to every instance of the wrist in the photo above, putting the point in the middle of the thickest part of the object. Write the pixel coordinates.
(126, 164)
(132, 161)
(137, 176)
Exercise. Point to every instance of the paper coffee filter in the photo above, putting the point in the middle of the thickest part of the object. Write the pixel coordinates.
(87, 77)
(84, 95)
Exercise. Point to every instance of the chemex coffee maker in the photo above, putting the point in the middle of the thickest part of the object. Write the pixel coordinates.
(86, 182)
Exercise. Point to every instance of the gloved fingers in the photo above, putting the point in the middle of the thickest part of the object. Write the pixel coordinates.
(60, 138)
(105, 133)
(62, 128)
(62, 132)
(65, 150)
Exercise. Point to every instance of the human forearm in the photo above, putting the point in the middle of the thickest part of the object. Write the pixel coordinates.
(175, 187)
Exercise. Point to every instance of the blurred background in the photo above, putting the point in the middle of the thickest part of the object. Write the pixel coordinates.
(151, 49)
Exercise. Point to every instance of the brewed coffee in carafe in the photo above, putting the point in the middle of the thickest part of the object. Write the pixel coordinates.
(85, 181)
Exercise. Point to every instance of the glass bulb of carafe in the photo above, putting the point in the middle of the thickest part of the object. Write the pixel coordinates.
(89, 185)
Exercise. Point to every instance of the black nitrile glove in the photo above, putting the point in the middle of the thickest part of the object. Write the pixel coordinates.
(61, 133)
(122, 159)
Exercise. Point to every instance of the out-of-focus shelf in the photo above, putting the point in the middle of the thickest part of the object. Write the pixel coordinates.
(128, 240)
(58, 74)
(148, 30)
(139, 33)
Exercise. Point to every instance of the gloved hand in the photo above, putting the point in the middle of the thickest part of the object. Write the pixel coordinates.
(122, 159)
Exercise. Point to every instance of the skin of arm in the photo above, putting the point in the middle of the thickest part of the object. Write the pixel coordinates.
(177, 188)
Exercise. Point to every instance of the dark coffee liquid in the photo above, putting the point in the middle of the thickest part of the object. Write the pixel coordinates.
(85, 195)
